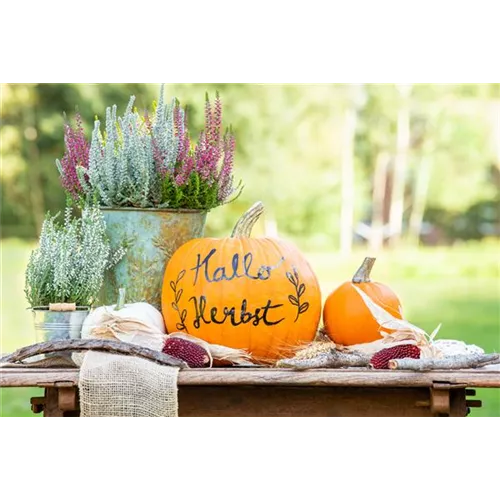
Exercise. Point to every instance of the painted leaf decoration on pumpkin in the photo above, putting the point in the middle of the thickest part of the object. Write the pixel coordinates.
(304, 307)
(172, 286)
(293, 300)
(181, 275)
(178, 295)
(385, 319)
(301, 290)
(291, 278)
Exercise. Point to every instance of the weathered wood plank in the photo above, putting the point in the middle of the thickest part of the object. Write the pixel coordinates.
(484, 377)
(101, 345)
(346, 377)
(37, 377)
(269, 401)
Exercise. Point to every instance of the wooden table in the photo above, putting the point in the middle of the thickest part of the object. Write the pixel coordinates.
(259, 392)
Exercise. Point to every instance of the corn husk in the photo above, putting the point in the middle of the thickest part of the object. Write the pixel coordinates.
(313, 349)
(131, 330)
(402, 333)
(136, 332)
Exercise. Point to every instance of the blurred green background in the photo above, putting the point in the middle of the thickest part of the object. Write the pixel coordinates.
(408, 173)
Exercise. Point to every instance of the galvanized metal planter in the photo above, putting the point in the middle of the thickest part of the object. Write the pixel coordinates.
(57, 325)
(151, 237)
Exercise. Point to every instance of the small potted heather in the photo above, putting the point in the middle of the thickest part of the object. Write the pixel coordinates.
(65, 273)
(154, 186)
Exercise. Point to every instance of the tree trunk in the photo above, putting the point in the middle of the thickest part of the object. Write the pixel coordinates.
(497, 135)
(35, 184)
(400, 165)
(420, 198)
(376, 241)
(347, 196)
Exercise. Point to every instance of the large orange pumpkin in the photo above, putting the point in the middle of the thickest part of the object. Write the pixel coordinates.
(258, 294)
(346, 317)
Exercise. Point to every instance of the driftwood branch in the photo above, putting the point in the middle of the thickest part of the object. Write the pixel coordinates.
(333, 359)
(449, 363)
(110, 346)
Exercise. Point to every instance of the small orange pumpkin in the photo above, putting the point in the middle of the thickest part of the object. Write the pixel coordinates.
(258, 294)
(346, 317)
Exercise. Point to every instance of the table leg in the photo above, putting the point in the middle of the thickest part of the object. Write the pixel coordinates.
(57, 402)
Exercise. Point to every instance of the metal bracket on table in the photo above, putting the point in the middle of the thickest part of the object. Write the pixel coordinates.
(60, 399)
(447, 399)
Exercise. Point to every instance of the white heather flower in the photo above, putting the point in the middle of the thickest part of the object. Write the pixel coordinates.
(70, 261)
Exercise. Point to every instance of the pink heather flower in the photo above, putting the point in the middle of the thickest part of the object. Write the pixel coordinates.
(212, 158)
(185, 159)
(208, 117)
(216, 122)
(76, 154)
(203, 157)
(225, 180)
(182, 133)
(209, 150)
(159, 158)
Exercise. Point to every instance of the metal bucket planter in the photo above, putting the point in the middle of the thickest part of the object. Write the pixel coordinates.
(57, 325)
(151, 237)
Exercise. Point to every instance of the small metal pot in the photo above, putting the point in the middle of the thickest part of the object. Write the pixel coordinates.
(56, 325)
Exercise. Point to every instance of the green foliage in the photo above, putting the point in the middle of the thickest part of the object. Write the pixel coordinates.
(479, 220)
(288, 147)
(195, 194)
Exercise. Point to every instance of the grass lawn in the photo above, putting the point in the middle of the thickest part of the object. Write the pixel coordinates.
(458, 287)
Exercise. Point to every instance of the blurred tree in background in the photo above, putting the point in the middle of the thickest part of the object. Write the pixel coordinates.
(383, 164)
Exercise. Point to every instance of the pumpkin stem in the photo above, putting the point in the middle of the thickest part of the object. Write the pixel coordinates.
(363, 273)
(243, 228)
(121, 299)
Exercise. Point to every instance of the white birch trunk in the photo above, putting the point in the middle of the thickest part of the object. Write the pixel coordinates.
(347, 210)
(420, 198)
(376, 241)
(400, 165)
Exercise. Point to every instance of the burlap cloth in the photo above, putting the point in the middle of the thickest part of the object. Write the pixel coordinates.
(118, 386)
(123, 386)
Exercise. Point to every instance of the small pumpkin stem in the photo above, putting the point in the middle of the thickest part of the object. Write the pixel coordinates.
(121, 299)
(243, 228)
(363, 273)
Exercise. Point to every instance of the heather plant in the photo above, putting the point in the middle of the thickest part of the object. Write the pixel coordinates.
(203, 174)
(121, 171)
(75, 156)
(145, 162)
(70, 261)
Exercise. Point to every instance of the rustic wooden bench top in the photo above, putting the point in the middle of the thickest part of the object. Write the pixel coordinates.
(348, 377)
(284, 392)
